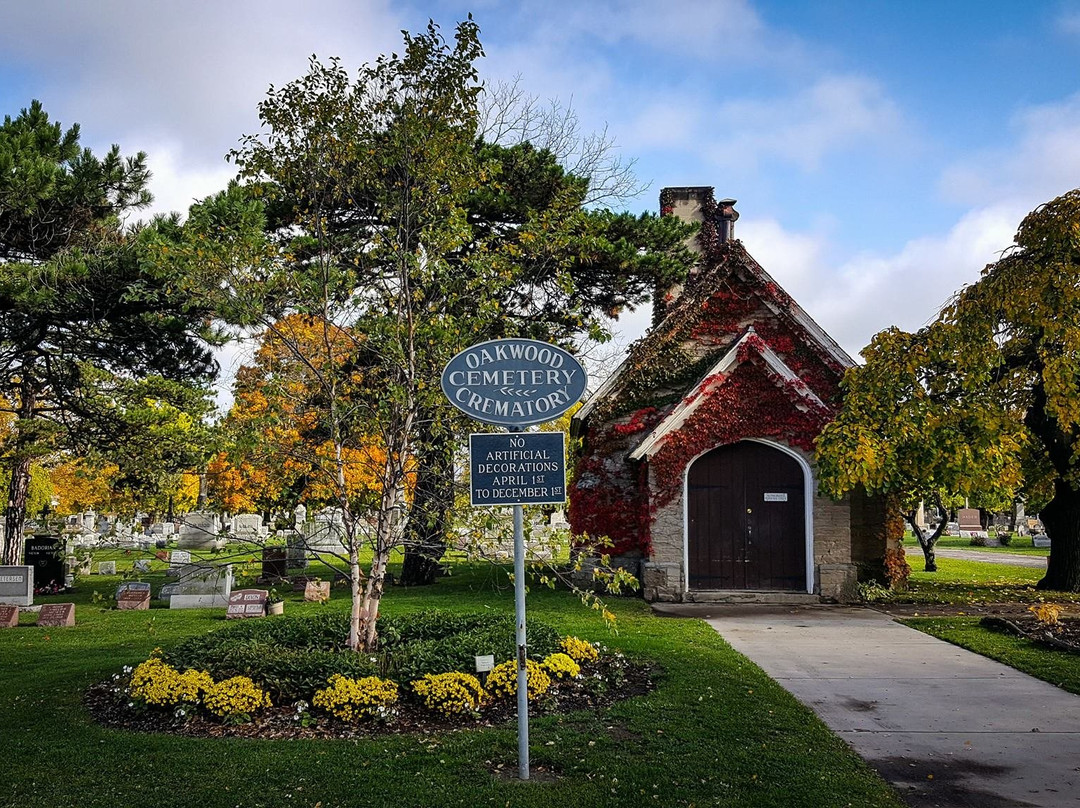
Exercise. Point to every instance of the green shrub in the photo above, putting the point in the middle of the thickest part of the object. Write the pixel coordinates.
(292, 657)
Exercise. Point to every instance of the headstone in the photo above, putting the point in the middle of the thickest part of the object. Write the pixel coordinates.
(275, 564)
(161, 555)
(178, 559)
(200, 586)
(57, 615)
(970, 523)
(46, 555)
(198, 531)
(299, 517)
(325, 533)
(297, 550)
(248, 526)
(133, 595)
(129, 586)
(106, 568)
(317, 591)
(246, 603)
(17, 586)
(1040, 540)
(9, 616)
(142, 565)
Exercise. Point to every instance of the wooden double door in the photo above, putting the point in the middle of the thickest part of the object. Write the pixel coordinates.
(747, 519)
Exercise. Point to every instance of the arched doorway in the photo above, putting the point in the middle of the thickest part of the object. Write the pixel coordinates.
(746, 519)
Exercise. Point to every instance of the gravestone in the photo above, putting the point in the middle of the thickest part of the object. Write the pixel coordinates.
(17, 586)
(106, 568)
(326, 532)
(142, 565)
(245, 603)
(133, 595)
(128, 586)
(317, 591)
(275, 564)
(9, 616)
(178, 559)
(200, 586)
(162, 555)
(46, 555)
(198, 531)
(57, 615)
(970, 523)
(1040, 540)
(248, 526)
(297, 550)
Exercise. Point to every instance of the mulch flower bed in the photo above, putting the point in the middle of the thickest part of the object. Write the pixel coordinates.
(1065, 636)
(603, 683)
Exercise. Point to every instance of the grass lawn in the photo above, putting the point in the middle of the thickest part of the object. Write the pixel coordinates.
(717, 731)
(974, 583)
(1057, 667)
(1020, 545)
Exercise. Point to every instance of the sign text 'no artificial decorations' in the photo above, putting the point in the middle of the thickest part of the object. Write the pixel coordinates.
(513, 382)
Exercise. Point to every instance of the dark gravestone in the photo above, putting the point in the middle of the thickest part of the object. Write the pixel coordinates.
(246, 603)
(57, 615)
(46, 555)
(275, 564)
(9, 616)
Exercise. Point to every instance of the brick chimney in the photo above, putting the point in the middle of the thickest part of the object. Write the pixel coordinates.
(690, 203)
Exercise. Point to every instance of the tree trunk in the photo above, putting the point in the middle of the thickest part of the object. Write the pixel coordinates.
(18, 492)
(432, 508)
(926, 543)
(1061, 518)
(19, 485)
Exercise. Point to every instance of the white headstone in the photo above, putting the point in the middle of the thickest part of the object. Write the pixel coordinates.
(106, 568)
(198, 531)
(248, 526)
(200, 586)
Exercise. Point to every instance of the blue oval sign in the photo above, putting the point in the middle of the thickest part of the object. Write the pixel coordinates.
(513, 382)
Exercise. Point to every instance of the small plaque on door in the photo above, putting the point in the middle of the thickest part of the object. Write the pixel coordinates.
(771, 496)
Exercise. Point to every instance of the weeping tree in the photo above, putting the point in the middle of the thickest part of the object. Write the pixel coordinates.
(985, 401)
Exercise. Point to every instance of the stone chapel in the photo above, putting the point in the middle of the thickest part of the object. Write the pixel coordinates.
(697, 456)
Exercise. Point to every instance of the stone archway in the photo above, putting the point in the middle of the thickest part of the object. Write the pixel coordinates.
(746, 520)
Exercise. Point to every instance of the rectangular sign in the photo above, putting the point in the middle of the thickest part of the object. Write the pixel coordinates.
(771, 497)
(524, 468)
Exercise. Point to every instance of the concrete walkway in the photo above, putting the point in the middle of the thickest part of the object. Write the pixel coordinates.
(945, 726)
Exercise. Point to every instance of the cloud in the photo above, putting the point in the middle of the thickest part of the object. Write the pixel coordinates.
(1040, 162)
(835, 112)
(854, 300)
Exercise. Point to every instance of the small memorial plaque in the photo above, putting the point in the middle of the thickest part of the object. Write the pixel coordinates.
(161, 555)
(57, 615)
(106, 568)
(485, 663)
(133, 599)
(317, 591)
(246, 603)
(775, 497)
(9, 616)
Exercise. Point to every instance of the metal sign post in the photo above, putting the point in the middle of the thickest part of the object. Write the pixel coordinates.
(516, 383)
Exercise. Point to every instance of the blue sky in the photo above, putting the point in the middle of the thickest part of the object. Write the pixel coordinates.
(882, 152)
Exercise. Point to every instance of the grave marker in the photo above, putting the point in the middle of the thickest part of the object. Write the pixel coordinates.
(244, 603)
(17, 586)
(317, 591)
(9, 616)
(46, 555)
(106, 568)
(57, 615)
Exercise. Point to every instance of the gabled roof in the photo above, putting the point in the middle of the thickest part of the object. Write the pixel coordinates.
(715, 376)
(733, 256)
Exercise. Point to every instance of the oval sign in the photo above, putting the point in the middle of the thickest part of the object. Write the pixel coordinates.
(514, 382)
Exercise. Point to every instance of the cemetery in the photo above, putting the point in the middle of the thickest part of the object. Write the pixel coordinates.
(442, 548)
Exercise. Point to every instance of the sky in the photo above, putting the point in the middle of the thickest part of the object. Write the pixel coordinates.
(882, 153)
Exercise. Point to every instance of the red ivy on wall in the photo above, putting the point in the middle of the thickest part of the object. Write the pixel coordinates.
(750, 403)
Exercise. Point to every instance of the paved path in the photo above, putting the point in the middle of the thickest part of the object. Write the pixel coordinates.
(1013, 559)
(945, 726)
